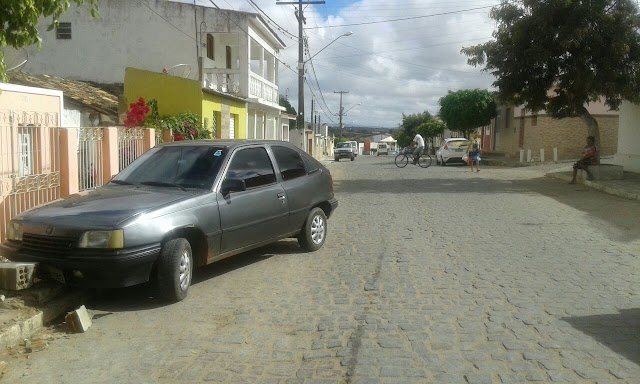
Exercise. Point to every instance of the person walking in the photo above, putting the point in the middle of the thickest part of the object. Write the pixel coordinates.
(589, 157)
(473, 153)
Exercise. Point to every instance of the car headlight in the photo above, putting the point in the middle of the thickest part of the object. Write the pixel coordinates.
(14, 232)
(102, 239)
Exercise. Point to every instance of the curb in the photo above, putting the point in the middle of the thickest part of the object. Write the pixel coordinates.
(597, 186)
(45, 313)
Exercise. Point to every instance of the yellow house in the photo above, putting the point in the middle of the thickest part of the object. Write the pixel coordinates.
(224, 115)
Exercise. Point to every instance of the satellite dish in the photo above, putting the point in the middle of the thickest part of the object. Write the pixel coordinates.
(180, 70)
(14, 59)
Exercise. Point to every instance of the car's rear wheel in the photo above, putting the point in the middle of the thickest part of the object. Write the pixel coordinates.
(175, 270)
(314, 231)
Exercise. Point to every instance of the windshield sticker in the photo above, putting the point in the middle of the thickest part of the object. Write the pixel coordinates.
(218, 153)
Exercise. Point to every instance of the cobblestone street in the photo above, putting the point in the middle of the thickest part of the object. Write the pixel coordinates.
(434, 275)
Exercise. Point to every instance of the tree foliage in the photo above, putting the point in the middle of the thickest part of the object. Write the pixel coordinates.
(290, 110)
(410, 125)
(559, 56)
(430, 129)
(467, 109)
(19, 22)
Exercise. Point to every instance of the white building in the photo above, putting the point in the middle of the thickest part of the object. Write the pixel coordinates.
(227, 50)
(628, 154)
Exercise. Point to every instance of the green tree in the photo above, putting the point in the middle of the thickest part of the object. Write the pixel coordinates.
(467, 109)
(409, 127)
(431, 129)
(559, 56)
(290, 110)
(19, 22)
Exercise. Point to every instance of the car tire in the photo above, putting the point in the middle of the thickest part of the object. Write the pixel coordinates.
(442, 163)
(175, 270)
(314, 231)
(336, 159)
(353, 157)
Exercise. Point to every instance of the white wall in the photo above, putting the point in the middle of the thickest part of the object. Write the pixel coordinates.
(129, 34)
(629, 138)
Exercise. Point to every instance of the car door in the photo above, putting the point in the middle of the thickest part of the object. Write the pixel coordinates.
(255, 209)
(298, 186)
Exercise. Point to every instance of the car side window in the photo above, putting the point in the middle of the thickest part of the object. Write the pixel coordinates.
(253, 166)
(290, 163)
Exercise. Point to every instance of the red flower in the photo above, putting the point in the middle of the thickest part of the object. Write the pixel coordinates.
(192, 132)
(178, 137)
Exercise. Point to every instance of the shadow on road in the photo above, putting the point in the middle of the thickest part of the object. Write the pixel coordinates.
(142, 297)
(620, 332)
(617, 217)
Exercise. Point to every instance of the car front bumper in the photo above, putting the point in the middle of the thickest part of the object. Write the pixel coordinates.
(90, 268)
(341, 155)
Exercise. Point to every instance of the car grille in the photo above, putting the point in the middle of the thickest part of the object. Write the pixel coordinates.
(48, 245)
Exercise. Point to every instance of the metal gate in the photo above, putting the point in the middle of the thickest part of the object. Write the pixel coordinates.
(90, 159)
(29, 162)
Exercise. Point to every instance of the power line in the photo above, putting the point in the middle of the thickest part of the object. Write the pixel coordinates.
(160, 16)
(252, 3)
(403, 19)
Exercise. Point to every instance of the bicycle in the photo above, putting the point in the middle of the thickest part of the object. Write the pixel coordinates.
(406, 154)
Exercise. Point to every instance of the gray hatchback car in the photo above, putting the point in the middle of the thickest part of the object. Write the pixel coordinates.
(179, 205)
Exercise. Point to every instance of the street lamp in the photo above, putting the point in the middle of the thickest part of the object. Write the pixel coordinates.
(301, 63)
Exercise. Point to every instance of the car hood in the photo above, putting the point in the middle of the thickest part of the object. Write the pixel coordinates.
(106, 206)
(342, 149)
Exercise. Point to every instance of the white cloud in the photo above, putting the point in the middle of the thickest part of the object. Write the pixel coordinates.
(390, 67)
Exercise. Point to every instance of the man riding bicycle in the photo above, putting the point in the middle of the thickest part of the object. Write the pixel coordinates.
(418, 142)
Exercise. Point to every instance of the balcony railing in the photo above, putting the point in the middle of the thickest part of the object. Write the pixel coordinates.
(222, 80)
(261, 88)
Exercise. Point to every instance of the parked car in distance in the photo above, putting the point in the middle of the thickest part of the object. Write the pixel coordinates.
(354, 147)
(180, 205)
(383, 149)
(343, 150)
(451, 150)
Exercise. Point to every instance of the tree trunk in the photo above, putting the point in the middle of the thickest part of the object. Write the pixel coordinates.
(592, 126)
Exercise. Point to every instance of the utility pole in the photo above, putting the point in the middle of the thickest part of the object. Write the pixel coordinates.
(301, 21)
(341, 109)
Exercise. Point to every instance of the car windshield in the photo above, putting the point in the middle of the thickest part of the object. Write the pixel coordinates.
(343, 145)
(175, 166)
(458, 143)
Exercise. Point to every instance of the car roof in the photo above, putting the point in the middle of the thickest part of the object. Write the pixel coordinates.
(230, 144)
(456, 139)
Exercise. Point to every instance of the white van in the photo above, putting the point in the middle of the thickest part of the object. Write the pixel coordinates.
(383, 149)
(354, 147)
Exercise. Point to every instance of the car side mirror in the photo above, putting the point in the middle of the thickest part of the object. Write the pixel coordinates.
(232, 185)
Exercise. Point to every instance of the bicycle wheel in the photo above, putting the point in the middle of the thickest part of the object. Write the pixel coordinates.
(424, 161)
(402, 160)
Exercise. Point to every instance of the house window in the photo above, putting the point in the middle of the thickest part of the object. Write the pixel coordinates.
(228, 53)
(507, 122)
(210, 46)
(63, 31)
(25, 151)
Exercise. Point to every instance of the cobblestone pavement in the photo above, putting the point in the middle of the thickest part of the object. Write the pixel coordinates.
(428, 276)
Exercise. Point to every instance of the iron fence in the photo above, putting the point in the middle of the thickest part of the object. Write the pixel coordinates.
(90, 159)
(130, 145)
(29, 162)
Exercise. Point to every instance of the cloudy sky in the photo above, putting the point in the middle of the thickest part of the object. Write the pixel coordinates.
(402, 57)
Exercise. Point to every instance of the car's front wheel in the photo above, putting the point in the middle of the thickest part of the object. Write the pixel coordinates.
(314, 231)
(175, 269)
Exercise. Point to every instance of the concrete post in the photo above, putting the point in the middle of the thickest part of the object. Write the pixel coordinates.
(69, 183)
(528, 155)
(111, 165)
(542, 155)
(555, 155)
(522, 155)
(149, 139)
